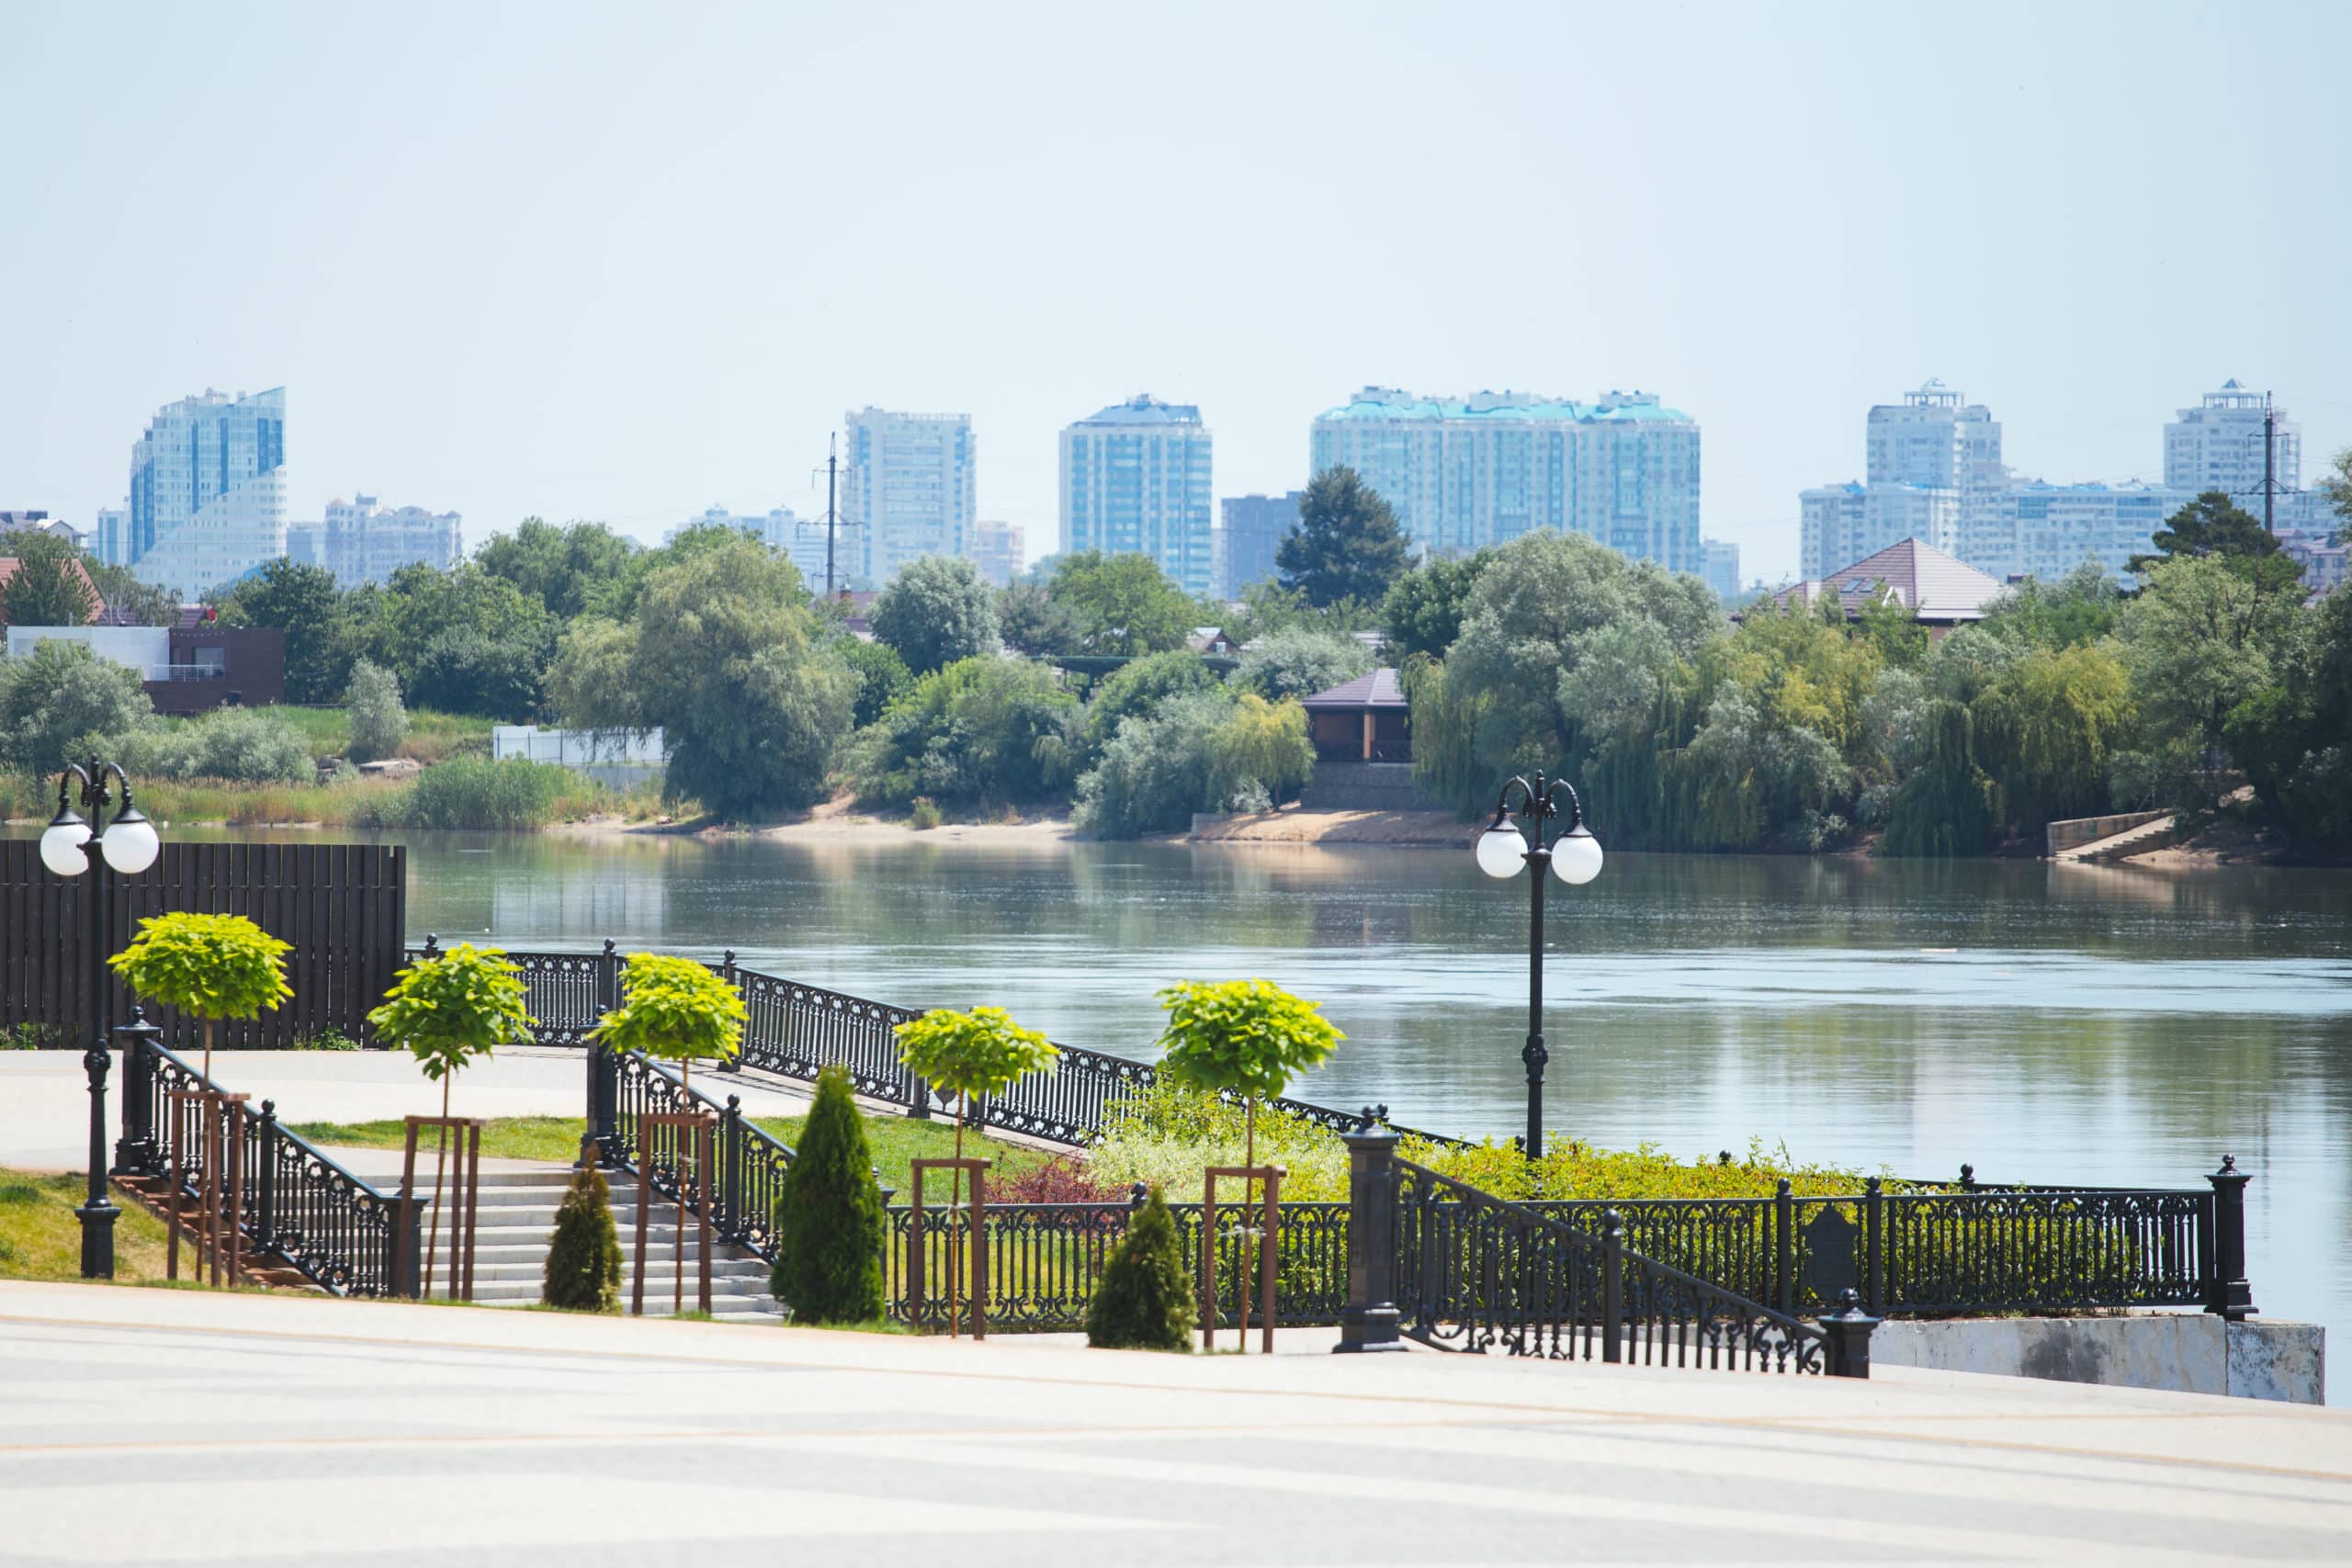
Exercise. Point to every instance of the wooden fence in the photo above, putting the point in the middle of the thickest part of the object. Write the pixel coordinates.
(342, 905)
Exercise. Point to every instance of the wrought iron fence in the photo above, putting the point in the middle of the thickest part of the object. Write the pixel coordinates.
(796, 1030)
(747, 1162)
(1474, 1272)
(298, 1208)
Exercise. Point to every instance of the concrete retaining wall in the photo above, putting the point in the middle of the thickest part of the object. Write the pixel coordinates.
(2186, 1352)
(1365, 786)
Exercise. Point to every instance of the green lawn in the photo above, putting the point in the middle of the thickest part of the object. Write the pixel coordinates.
(895, 1140)
(431, 736)
(41, 1239)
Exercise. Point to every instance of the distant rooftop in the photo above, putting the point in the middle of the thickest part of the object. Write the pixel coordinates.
(1932, 585)
(1390, 403)
(1145, 409)
(1381, 689)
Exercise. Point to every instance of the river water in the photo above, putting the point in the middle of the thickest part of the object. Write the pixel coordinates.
(2042, 1023)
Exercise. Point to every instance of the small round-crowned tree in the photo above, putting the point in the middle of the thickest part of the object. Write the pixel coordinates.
(967, 1053)
(583, 1266)
(449, 1012)
(208, 967)
(674, 1008)
(829, 1215)
(1144, 1299)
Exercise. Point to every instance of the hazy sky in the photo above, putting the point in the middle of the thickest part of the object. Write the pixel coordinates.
(628, 262)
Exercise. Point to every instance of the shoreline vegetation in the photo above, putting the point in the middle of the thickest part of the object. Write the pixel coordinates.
(582, 807)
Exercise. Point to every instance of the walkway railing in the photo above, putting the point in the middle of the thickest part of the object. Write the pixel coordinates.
(299, 1209)
(796, 1030)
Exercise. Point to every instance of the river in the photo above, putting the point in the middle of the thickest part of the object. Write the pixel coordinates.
(2042, 1022)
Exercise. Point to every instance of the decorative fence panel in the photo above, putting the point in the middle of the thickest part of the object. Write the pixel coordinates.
(341, 906)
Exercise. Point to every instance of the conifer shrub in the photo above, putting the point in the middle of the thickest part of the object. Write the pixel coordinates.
(829, 1215)
(583, 1267)
(1144, 1299)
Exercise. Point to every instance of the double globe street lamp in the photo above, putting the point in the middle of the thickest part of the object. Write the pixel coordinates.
(71, 845)
(1572, 854)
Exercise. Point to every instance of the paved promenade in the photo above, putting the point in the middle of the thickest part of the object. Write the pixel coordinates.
(162, 1426)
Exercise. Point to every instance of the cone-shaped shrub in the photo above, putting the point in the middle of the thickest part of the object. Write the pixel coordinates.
(584, 1267)
(1144, 1299)
(828, 1217)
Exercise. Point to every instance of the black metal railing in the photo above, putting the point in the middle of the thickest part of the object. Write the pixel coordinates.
(796, 1030)
(747, 1161)
(1045, 1260)
(298, 1208)
(1475, 1271)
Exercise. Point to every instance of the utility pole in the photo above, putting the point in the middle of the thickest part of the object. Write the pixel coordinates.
(833, 519)
(2269, 464)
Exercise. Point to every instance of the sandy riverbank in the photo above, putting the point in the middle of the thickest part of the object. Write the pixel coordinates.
(840, 822)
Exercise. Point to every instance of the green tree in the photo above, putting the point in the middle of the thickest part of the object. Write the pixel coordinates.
(1299, 662)
(568, 570)
(463, 641)
(981, 732)
(133, 602)
(937, 611)
(676, 1009)
(1949, 807)
(379, 721)
(58, 697)
(2293, 736)
(208, 967)
(720, 654)
(1890, 626)
(1120, 603)
(322, 631)
(2337, 485)
(1034, 624)
(2213, 524)
(882, 676)
(449, 1012)
(582, 1272)
(2198, 639)
(2047, 729)
(1422, 612)
(48, 588)
(1346, 543)
(968, 1053)
(829, 1222)
(1135, 690)
(1144, 1301)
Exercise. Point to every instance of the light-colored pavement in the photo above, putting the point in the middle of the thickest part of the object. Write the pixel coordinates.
(45, 1102)
(174, 1426)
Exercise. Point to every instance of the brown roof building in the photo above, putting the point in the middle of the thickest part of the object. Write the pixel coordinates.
(10, 565)
(1363, 720)
(1940, 590)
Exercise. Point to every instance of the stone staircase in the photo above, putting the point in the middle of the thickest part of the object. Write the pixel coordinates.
(2151, 835)
(515, 1221)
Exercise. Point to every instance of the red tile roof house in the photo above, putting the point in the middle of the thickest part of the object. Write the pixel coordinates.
(1941, 592)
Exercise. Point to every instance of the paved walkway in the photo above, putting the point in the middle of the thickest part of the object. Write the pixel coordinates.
(175, 1426)
(45, 1100)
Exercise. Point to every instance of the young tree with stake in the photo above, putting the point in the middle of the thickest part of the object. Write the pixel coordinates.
(1244, 1037)
(965, 1053)
(449, 1012)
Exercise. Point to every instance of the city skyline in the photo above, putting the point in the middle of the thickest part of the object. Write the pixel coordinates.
(1770, 259)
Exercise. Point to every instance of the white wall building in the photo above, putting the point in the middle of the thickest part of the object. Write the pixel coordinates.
(1136, 480)
(799, 540)
(999, 549)
(360, 542)
(2218, 445)
(109, 525)
(1723, 567)
(207, 491)
(1461, 473)
(1845, 523)
(908, 487)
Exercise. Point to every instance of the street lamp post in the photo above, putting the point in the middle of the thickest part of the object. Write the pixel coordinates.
(128, 845)
(1574, 855)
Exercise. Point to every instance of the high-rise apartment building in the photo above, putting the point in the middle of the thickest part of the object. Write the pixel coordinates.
(1253, 529)
(798, 540)
(1000, 550)
(1135, 480)
(306, 544)
(360, 542)
(109, 525)
(1933, 472)
(1841, 524)
(207, 491)
(1723, 567)
(907, 487)
(1461, 473)
(2218, 445)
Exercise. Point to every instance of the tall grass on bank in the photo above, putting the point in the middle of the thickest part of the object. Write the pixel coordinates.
(478, 793)
(432, 737)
